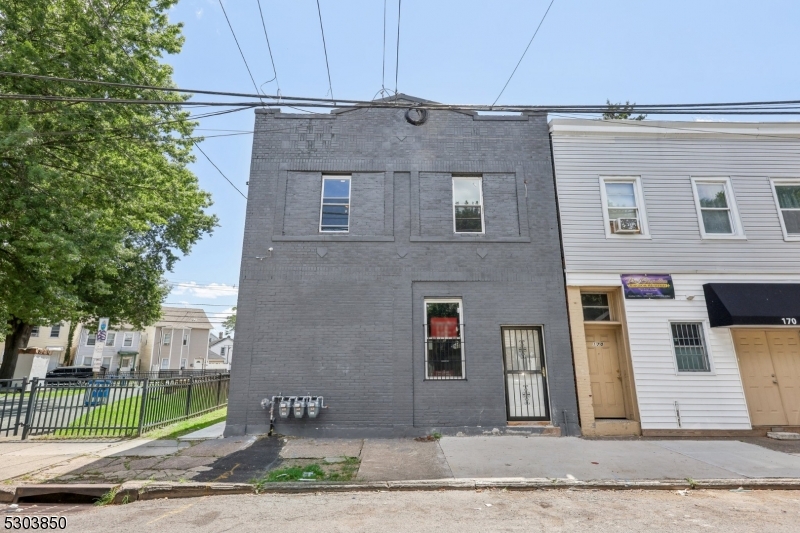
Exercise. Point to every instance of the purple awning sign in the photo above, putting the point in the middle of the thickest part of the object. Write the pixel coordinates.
(648, 286)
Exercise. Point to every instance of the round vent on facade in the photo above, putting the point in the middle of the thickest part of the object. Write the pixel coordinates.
(416, 116)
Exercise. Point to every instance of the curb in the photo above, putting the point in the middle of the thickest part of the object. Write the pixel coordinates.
(132, 491)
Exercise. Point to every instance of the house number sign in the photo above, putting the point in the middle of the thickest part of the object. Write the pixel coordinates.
(597, 343)
(789, 321)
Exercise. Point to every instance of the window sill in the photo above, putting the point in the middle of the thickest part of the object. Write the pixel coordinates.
(723, 237)
(629, 236)
(440, 380)
(467, 238)
(333, 238)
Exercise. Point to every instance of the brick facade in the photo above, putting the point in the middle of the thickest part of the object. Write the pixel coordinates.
(342, 315)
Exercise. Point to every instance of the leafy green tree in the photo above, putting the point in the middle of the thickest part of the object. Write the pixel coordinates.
(229, 324)
(621, 111)
(96, 200)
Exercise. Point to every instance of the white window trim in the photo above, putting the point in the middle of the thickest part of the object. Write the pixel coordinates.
(706, 331)
(730, 197)
(453, 201)
(162, 367)
(35, 332)
(783, 181)
(51, 332)
(460, 302)
(164, 337)
(88, 336)
(114, 333)
(349, 200)
(85, 357)
(640, 205)
(125, 337)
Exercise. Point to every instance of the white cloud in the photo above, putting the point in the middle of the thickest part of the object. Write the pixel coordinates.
(199, 13)
(212, 290)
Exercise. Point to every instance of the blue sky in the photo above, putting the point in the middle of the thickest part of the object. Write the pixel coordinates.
(462, 51)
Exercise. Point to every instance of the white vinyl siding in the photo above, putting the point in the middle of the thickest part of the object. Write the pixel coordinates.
(666, 165)
(127, 339)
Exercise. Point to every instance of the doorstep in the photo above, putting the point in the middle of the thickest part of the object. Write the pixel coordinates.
(613, 428)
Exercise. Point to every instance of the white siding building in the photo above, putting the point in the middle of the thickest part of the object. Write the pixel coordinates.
(712, 205)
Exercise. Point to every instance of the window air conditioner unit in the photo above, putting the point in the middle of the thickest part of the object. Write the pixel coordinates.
(626, 225)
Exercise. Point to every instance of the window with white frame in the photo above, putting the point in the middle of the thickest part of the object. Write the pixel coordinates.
(691, 352)
(716, 207)
(222, 351)
(127, 339)
(167, 338)
(468, 204)
(164, 364)
(444, 340)
(334, 214)
(183, 364)
(185, 338)
(87, 360)
(90, 339)
(35, 331)
(55, 331)
(623, 206)
(787, 196)
(107, 362)
(111, 338)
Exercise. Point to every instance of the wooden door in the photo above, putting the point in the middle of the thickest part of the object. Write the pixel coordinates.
(784, 346)
(758, 377)
(604, 372)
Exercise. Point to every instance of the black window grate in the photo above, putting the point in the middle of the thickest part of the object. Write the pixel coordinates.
(444, 356)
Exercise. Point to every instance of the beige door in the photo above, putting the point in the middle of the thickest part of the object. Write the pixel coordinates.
(784, 346)
(604, 372)
(758, 377)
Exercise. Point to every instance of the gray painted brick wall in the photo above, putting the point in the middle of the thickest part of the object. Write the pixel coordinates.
(342, 316)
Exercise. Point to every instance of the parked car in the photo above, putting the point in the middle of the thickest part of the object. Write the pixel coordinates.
(69, 374)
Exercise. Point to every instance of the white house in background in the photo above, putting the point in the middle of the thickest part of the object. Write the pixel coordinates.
(681, 244)
(120, 352)
(178, 341)
(220, 351)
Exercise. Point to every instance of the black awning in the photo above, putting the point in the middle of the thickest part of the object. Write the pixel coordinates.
(753, 304)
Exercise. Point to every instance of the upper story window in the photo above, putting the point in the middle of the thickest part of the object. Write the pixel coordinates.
(222, 351)
(127, 339)
(55, 331)
(787, 196)
(716, 208)
(185, 339)
(595, 307)
(335, 209)
(90, 339)
(468, 205)
(111, 338)
(623, 206)
(35, 331)
(167, 338)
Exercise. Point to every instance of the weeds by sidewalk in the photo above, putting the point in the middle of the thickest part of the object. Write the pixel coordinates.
(295, 470)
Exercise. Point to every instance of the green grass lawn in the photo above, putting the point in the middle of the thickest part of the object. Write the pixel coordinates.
(121, 417)
(184, 427)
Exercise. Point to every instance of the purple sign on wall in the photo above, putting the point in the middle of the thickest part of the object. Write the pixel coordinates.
(648, 286)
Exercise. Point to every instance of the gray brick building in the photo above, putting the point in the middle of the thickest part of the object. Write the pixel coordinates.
(410, 274)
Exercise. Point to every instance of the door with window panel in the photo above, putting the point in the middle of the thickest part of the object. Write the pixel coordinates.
(525, 374)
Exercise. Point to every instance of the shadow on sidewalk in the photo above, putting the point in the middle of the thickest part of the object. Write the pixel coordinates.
(245, 465)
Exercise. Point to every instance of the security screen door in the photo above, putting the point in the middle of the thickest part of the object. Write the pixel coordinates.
(526, 386)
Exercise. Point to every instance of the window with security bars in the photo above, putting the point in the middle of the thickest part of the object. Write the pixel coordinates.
(335, 209)
(444, 341)
(468, 205)
(690, 347)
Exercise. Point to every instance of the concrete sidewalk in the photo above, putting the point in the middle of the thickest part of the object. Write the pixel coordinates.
(243, 459)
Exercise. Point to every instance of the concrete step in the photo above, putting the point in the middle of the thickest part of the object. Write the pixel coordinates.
(783, 435)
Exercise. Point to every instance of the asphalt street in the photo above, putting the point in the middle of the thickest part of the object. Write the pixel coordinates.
(456, 511)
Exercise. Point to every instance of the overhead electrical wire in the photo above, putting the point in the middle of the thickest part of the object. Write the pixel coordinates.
(221, 173)
(525, 52)
(397, 51)
(239, 47)
(325, 48)
(269, 48)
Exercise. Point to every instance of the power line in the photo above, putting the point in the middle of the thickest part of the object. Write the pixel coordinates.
(221, 173)
(331, 103)
(397, 58)
(239, 47)
(324, 47)
(525, 52)
(274, 70)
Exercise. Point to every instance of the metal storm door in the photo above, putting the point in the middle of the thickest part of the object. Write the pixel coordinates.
(526, 386)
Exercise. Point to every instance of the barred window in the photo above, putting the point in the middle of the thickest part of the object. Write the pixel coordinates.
(690, 347)
(444, 342)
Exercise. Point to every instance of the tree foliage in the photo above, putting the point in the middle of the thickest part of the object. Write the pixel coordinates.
(229, 324)
(621, 111)
(96, 200)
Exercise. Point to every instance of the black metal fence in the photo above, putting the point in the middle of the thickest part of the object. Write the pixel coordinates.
(159, 373)
(105, 407)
